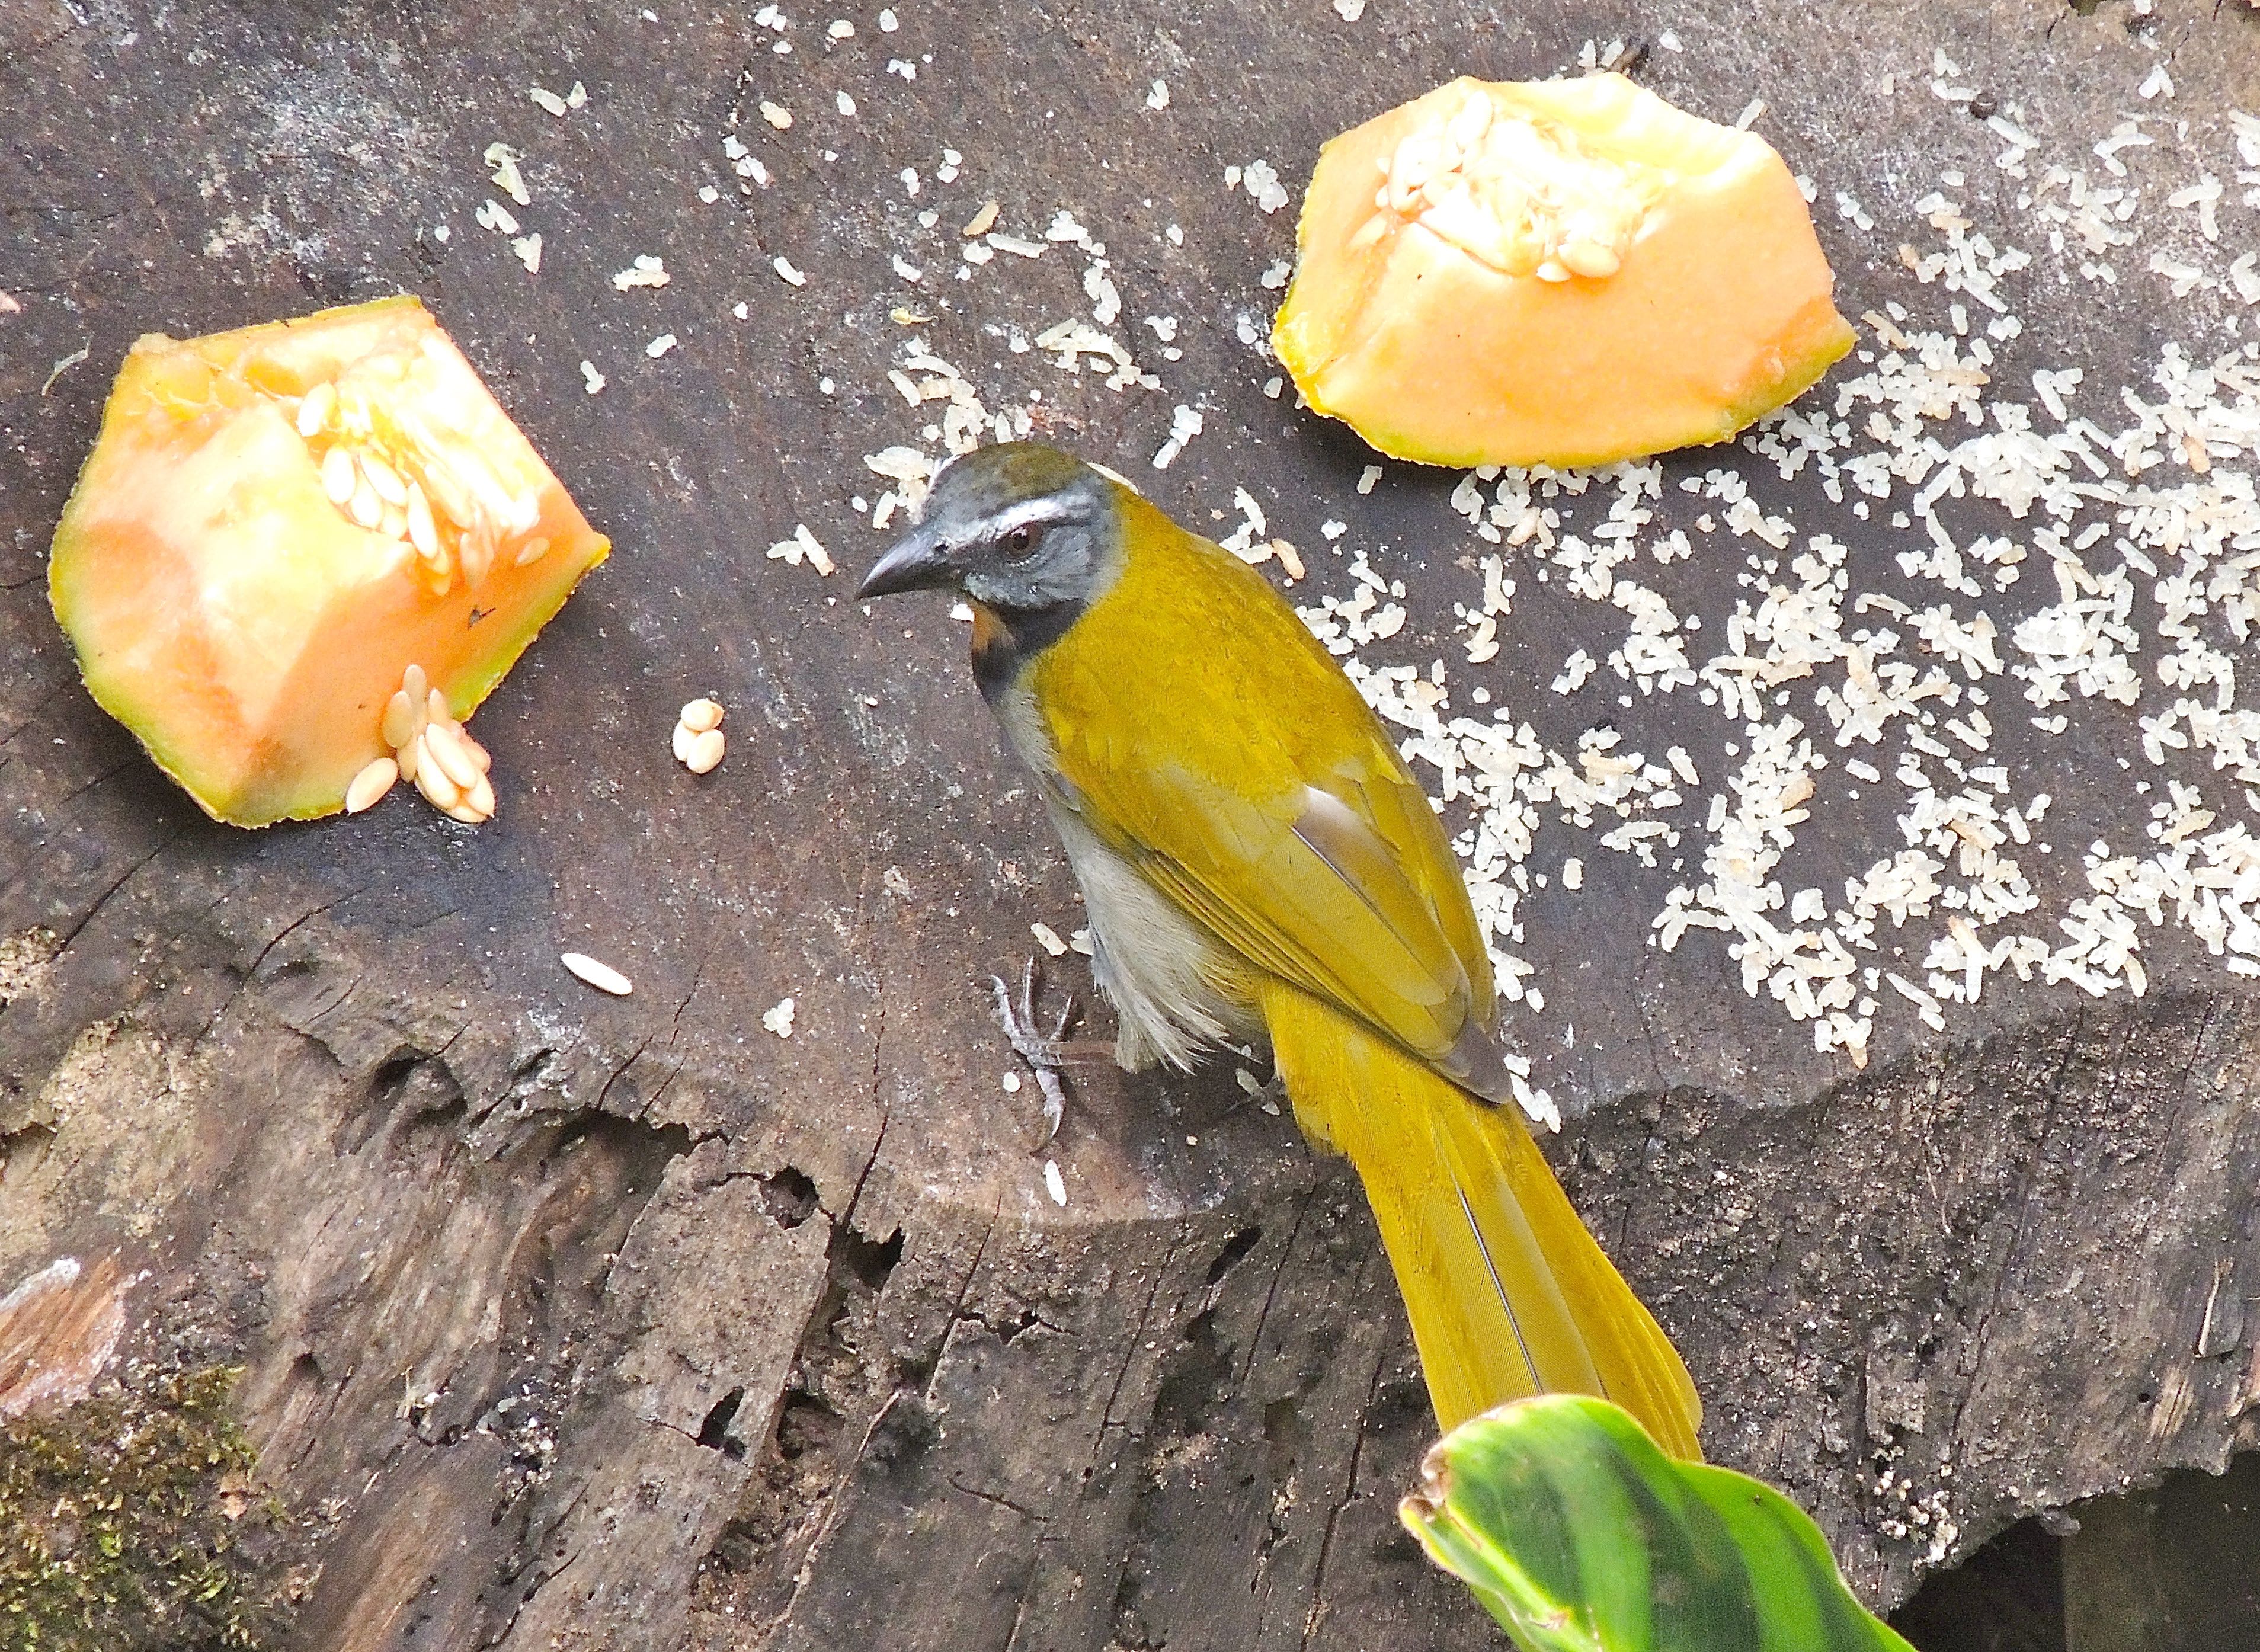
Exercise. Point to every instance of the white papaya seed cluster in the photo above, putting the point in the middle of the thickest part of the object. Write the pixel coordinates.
(1523, 196)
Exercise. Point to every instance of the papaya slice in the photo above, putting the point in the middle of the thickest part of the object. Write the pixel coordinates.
(276, 524)
(1559, 272)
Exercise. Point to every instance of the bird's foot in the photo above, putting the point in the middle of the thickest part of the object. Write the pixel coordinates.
(1041, 1049)
(1267, 1094)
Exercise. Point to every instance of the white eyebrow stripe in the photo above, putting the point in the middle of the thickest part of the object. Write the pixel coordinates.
(1033, 514)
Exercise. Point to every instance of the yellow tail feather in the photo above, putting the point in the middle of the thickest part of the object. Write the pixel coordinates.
(1507, 1292)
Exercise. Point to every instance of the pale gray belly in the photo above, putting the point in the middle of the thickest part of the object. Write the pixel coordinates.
(1176, 990)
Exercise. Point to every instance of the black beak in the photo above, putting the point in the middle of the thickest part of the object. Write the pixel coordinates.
(918, 561)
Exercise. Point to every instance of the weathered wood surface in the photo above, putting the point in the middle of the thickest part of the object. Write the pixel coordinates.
(593, 1323)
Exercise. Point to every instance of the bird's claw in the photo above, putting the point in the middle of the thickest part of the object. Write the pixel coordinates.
(1037, 1047)
(1018, 1015)
(1266, 1093)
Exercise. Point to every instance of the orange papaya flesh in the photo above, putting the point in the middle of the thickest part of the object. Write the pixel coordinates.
(274, 523)
(1558, 273)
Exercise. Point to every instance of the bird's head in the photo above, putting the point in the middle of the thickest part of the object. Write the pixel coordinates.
(1020, 528)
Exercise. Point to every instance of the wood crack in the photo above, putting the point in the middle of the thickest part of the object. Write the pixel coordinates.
(1286, 1254)
(1317, 1612)
(2049, 1089)
(1137, 1339)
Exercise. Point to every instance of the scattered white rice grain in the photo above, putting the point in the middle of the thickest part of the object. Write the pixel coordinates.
(1260, 180)
(786, 273)
(1573, 874)
(1048, 938)
(600, 975)
(1246, 541)
(660, 345)
(840, 29)
(778, 1017)
(2245, 279)
(1184, 424)
(701, 714)
(645, 271)
(1159, 96)
(1055, 1183)
(1579, 666)
(547, 99)
(2072, 483)
(502, 166)
(528, 248)
(1350, 11)
(578, 98)
(803, 546)
(592, 379)
(1368, 477)
(887, 23)
(2204, 197)
(982, 222)
(371, 783)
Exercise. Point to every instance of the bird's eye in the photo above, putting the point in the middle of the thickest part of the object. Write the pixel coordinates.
(1019, 542)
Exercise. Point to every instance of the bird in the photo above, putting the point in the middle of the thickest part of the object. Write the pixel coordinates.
(1257, 862)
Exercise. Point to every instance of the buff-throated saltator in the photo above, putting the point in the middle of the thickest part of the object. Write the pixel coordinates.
(1256, 859)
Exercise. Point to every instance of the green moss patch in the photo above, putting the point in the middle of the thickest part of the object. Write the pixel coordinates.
(129, 1523)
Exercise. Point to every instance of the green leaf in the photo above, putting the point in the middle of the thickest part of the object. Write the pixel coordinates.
(1579, 1535)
